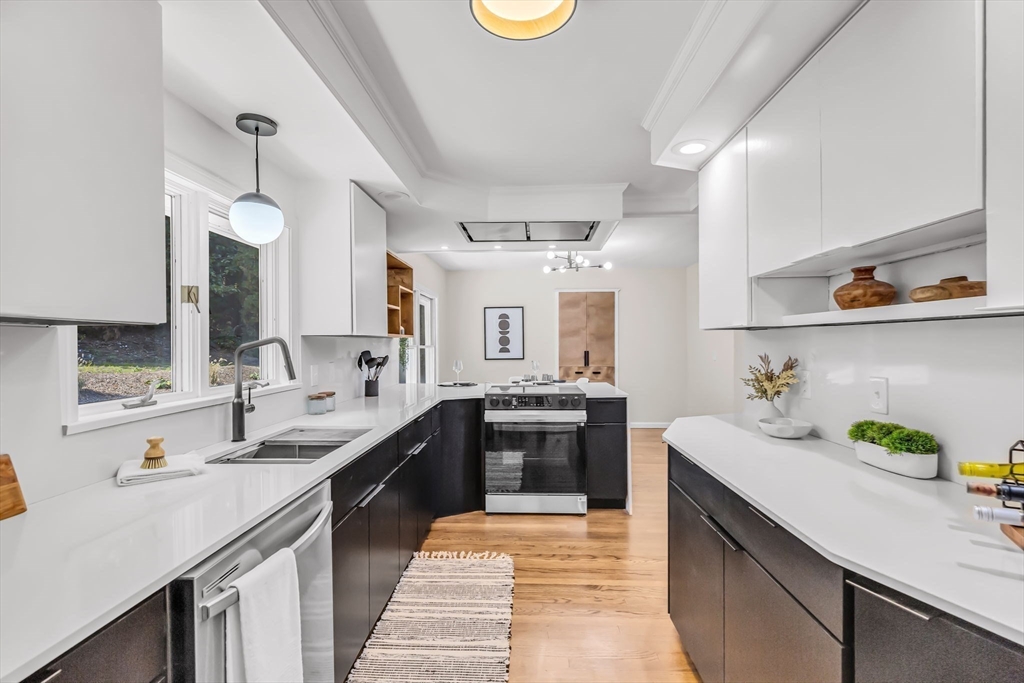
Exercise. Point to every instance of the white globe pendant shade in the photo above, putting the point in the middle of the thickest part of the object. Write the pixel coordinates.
(256, 218)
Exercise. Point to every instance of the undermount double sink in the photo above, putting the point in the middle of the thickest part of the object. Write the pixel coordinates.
(298, 446)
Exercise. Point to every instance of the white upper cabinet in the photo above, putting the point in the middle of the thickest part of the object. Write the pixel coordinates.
(1004, 201)
(901, 119)
(784, 176)
(722, 240)
(369, 266)
(81, 168)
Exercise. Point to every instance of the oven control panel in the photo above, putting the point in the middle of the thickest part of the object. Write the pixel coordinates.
(534, 402)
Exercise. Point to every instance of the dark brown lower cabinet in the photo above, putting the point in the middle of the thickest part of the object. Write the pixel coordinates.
(132, 649)
(696, 598)
(897, 638)
(769, 636)
(350, 555)
(384, 515)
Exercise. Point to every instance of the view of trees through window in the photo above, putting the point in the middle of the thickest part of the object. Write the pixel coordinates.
(120, 361)
(234, 307)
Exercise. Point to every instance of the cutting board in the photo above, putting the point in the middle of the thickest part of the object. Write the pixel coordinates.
(12, 502)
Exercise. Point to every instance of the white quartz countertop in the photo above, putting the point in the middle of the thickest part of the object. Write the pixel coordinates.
(73, 563)
(916, 536)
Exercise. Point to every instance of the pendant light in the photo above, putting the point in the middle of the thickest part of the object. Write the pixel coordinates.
(573, 261)
(254, 216)
(522, 19)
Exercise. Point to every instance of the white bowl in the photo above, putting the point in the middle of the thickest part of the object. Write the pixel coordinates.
(784, 427)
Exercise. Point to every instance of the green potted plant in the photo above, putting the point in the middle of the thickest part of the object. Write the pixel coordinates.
(767, 385)
(894, 448)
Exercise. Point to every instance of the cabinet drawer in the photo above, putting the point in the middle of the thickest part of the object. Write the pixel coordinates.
(901, 639)
(813, 580)
(352, 484)
(704, 489)
(133, 649)
(606, 410)
(413, 434)
(768, 635)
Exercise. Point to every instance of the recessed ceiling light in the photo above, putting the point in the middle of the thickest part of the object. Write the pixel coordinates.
(551, 246)
(444, 246)
(497, 246)
(522, 19)
(691, 147)
(392, 195)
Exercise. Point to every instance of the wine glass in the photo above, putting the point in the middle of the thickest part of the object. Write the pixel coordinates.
(457, 367)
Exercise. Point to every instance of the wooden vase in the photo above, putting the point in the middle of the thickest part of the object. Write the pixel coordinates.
(864, 291)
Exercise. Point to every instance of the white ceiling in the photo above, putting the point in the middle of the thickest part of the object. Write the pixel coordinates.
(225, 58)
(664, 242)
(562, 110)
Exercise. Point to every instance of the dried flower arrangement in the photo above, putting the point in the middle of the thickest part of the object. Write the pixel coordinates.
(765, 384)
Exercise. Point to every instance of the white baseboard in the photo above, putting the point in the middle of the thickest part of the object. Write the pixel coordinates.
(649, 425)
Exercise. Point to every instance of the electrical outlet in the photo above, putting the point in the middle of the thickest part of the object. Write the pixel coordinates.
(314, 375)
(803, 389)
(878, 400)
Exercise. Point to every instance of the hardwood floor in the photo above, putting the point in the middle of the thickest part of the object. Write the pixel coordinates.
(590, 592)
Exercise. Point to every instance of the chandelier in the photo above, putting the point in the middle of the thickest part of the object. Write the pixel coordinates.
(573, 261)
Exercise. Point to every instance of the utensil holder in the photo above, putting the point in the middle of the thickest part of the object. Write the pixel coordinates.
(372, 388)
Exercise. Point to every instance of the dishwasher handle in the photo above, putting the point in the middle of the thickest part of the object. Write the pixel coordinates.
(229, 596)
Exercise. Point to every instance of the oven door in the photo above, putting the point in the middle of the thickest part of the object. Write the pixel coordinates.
(535, 453)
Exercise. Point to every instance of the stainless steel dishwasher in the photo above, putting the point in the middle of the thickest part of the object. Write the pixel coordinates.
(200, 598)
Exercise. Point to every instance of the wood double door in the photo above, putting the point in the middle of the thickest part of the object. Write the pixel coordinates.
(586, 336)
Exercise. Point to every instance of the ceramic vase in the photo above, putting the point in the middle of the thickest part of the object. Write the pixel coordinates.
(864, 291)
(763, 409)
(907, 464)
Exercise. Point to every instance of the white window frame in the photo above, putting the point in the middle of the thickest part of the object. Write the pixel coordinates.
(432, 373)
(192, 206)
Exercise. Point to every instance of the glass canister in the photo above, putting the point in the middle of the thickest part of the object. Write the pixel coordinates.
(330, 400)
(316, 404)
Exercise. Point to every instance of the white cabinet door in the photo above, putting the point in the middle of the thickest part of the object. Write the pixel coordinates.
(901, 119)
(784, 176)
(82, 162)
(722, 190)
(369, 266)
(1004, 201)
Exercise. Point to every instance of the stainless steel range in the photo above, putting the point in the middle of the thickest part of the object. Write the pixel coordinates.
(535, 449)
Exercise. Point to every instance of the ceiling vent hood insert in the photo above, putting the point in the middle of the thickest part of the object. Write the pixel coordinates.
(529, 231)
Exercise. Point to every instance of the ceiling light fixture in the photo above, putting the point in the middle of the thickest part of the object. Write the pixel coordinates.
(392, 195)
(691, 147)
(497, 246)
(551, 246)
(444, 246)
(254, 216)
(522, 19)
(574, 261)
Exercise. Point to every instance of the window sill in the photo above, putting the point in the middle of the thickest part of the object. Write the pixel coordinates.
(124, 416)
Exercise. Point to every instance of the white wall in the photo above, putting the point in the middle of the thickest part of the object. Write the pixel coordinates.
(962, 380)
(49, 463)
(711, 385)
(652, 329)
(335, 361)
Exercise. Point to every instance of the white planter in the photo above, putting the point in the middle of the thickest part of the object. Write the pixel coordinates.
(762, 409)
(908, 464)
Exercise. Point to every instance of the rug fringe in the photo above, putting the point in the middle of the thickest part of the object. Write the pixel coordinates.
(464, 555)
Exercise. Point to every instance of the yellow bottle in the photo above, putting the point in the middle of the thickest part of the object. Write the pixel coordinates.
(993, 470)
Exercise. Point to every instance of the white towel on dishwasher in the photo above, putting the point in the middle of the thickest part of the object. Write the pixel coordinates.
(267, 624)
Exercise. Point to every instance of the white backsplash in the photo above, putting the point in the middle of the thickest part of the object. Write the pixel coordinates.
(335, 361)
(962, 380)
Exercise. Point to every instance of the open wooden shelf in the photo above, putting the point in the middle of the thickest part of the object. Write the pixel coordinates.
(972, 307)
(401, 298)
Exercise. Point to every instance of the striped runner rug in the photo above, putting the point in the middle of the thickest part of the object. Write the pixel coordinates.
(449, 620)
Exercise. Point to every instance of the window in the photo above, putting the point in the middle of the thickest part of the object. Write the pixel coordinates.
(242, 296)
(116, 362)
(426, 333)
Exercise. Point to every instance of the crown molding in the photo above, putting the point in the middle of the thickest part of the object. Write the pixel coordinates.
(706, 17)
(346, 45)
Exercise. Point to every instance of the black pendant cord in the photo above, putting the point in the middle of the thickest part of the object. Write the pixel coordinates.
(257, 159)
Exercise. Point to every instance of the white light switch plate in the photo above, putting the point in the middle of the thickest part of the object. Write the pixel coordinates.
(314, 375)
(878, 399)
